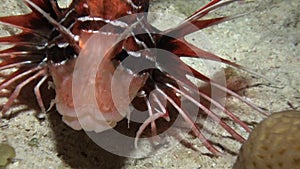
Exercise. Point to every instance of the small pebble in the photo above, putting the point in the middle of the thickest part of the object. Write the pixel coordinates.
(7, 152)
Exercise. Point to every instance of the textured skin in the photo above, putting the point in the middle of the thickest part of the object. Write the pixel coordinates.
(52, 36)
(274, 143)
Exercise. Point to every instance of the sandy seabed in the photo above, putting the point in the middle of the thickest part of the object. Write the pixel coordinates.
(265, 40)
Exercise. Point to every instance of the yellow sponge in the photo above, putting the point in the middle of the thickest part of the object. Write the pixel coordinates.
(273, 144)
